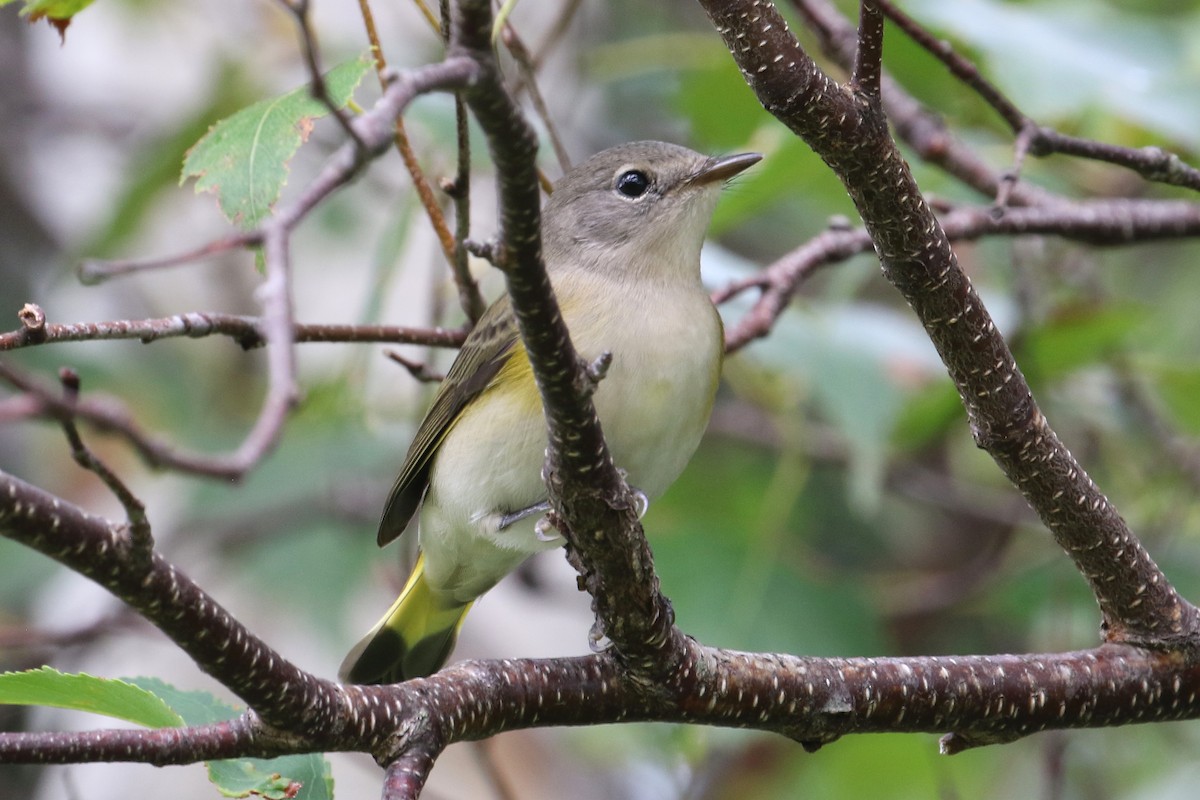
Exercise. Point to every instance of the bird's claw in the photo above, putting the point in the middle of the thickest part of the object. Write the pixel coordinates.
(640, 502)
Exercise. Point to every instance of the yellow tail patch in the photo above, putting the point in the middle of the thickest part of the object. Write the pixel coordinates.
(414, 639)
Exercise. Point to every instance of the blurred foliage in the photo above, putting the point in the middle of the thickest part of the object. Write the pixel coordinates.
(839, 507)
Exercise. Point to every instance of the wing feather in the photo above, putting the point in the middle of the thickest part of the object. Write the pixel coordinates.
(480, 359)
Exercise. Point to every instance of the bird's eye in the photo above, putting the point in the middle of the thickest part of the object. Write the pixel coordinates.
(633, 183)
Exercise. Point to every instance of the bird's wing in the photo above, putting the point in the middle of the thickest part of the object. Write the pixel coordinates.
(480, 359)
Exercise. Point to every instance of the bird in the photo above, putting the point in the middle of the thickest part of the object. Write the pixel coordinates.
(621, 239)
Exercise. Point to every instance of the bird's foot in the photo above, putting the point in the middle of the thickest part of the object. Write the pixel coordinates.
(641, 502)
(598, 640)
(545, 531)
(513, 517)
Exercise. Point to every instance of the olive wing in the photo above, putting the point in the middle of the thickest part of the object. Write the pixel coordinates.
(482, 355)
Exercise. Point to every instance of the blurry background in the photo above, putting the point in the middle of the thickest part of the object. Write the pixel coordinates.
(838, 506)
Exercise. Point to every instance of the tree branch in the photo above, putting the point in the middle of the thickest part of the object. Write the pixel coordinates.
(1137, 602)
(1096, 222)
(925, 132)
(219, 644)
(1152, 163)
(605, 540)
(248, 332)
(868, 54)
(160, 746)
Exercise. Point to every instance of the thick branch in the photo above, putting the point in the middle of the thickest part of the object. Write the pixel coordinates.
(922, 130)
(983, 699)
(1136, 600)
(219, 644)
(606, 541)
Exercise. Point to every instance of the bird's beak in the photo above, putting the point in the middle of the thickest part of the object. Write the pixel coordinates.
(722, 169)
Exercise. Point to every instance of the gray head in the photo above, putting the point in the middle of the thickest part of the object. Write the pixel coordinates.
(642, 206)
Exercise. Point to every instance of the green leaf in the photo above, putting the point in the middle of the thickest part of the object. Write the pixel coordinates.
(156, 704)
(302, 777)
(114, 698)
(52, 9)
(243, 159)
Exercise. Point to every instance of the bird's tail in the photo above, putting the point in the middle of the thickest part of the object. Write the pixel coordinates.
(414, 638)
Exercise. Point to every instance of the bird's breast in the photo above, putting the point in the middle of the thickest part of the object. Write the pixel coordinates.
(654, 402)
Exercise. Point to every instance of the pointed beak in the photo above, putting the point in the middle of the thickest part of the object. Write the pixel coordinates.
(722, 169)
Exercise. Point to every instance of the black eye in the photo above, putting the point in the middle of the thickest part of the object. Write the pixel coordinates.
(633, 183)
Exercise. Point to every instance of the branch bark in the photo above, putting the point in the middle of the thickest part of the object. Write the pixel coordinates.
(849, 131)
(605, 540)
(1147, 670)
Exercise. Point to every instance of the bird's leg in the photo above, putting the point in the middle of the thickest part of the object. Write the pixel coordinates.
(513, 517)
(640, 500)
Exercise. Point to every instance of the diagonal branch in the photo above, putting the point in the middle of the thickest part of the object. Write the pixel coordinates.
(920, 129)
(218, 643)
(1152, 163)
(1137, 602)
(583, 484)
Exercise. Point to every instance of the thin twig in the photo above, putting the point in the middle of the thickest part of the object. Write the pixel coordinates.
(420, 371)
(1152, 163)
(959, 66)
(520, 53)
(1097, 222)
(556, 34)
(318, 89)
(429, 16)
(109, 416)
(1010, 177)
(468, 289)
(94, 271)
(140, 534)
(247, 331)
